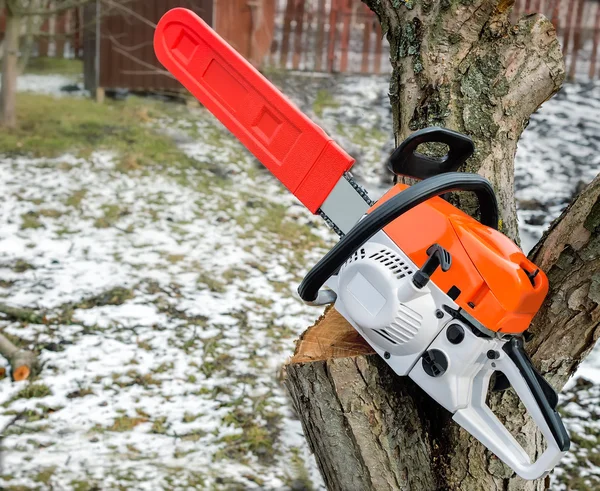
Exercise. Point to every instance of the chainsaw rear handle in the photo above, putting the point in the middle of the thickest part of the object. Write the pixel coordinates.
(406, 161)
(392, 209)
(544, 394)
(479, 420)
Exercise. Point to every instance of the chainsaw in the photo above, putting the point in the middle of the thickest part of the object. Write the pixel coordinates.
(443, 298)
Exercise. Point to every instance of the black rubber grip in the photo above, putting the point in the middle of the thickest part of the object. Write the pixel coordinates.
(406, 161)
(542, 391)
(392, 209)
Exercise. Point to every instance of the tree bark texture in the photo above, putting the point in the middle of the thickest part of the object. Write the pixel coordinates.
(8, 90)
(462, 65)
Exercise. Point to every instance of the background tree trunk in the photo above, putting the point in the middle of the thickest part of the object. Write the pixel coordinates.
(460, 65)
(10, 70)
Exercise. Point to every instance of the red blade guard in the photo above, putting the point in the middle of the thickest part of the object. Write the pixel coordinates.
(297, 151)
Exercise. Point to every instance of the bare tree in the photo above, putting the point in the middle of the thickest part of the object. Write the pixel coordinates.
(17, 11)
(461, 65)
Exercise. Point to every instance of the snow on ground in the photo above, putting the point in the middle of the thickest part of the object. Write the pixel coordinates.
(174, 306)
(47, 84)
(171, 295)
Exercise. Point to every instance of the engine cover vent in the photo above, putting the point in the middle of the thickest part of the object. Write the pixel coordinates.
(359, 254)
(405, 326)
(394, 263)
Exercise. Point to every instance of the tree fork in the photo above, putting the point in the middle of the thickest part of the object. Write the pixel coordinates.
(463, 65)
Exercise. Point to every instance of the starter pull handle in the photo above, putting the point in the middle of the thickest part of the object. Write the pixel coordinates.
(540, 401)
(406, 161)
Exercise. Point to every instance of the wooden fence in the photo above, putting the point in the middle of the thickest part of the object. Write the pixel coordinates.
(58, 36)
(345, 36)
(329, 36)
(333, 35)
(124, 54)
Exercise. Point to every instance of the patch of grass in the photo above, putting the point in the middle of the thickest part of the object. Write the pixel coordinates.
(48, 127)
(80, 485)
(61, 66)
(112, 214)
(234, 273)
(145, 345)
(133, 377)
(361, 136)
(80, 393)
(594, 458)
(301, 477)
(263, 302)
(30, 219)
(44, 475)
(323, 100)
(21, 266)
(33, 391)
(114, 296)
(159, 425)
(275, 219)
(582, 442)
(189, 417)
(216, 364)
(175, 258)
(211, 282)
(126, 423)
(163, 367)
(256, 438)
(50, 213)
(76, 198)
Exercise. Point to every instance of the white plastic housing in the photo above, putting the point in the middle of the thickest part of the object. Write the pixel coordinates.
(376, 295)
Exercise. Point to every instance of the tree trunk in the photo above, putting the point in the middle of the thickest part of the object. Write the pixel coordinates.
(8, 90)
(461, 65)
(464, 66)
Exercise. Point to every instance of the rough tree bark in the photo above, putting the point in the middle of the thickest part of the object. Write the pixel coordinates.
(459, 64)
(8, 90)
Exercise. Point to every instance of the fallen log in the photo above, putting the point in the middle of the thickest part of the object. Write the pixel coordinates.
(23, 363)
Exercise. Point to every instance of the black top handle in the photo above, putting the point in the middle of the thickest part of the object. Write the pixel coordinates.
(392, 209)
(406, 161)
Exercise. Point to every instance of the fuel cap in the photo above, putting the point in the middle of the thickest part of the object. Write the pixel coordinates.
(435, 363)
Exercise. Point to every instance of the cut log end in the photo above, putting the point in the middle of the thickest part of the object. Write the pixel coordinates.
(330, 337)
(21, 373)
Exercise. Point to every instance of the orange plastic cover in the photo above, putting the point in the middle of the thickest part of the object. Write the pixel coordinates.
(487, 267)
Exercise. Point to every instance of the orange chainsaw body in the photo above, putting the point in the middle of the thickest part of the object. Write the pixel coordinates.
(487, 267)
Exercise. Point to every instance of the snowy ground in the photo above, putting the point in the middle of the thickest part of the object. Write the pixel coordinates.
(170, 297)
